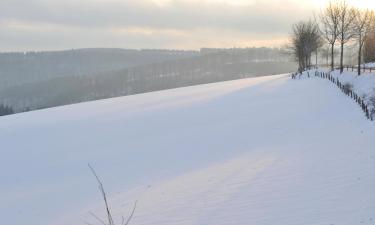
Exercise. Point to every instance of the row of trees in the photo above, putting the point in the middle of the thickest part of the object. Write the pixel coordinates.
(337, 24)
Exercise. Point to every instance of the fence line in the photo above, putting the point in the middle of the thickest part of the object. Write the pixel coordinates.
(355, 68)
(346, 90)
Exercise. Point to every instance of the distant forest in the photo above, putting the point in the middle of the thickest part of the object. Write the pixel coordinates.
(36, 80)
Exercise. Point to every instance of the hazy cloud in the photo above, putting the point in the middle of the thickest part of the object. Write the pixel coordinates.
(55, 24)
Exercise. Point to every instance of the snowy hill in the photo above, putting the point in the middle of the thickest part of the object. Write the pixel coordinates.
(264, 151)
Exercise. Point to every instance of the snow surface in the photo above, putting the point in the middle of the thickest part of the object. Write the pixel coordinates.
(264, 151)
(363, 85)
(370, 65)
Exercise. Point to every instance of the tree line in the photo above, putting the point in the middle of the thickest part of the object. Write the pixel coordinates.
(5, 110)
(336, 25)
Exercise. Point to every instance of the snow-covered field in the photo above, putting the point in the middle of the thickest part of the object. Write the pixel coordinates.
(262, 151)
(363, 85)
(370, 65)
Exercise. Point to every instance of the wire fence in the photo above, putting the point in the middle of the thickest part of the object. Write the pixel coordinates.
(355, 69)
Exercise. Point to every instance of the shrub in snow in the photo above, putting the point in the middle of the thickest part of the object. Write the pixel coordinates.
(348, 87)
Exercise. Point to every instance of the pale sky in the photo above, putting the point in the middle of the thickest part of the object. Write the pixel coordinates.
(178, 24)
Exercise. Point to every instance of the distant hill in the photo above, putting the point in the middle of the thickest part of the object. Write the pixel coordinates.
(47, 79)
(20, 68)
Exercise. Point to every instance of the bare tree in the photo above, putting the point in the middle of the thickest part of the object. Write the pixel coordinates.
(369, 47)
(108, 211)
(346, 16)
(362, 27)
(329, 18)
(305, 40)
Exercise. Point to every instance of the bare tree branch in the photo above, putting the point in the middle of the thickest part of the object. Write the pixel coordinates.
(131, 215)
(346, 16)
(329, 19)
(109, 215)
(362, 27)
(101, 188)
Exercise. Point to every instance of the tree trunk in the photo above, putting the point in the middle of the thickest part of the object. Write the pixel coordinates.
(342, 58)
(332, 56)
(309, 60)
(359, 59)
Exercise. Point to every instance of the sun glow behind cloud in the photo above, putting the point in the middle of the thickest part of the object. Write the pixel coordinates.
(182, 24)
(364, 4)
(224, 2)
(319, 3)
